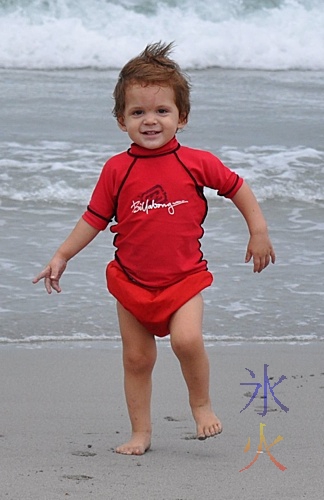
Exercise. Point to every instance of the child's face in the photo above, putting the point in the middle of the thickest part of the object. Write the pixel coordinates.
(151, 117)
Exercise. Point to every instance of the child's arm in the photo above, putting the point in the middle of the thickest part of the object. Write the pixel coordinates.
(79, 238)
(259, 247)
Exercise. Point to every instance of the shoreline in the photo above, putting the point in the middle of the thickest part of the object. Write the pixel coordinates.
(63, 413)
(115, 343)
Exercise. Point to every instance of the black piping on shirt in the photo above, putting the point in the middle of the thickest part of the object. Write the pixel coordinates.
(98, 215)
(232, 188)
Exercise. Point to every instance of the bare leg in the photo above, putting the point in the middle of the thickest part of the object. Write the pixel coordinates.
(187, 343)
(139, 356)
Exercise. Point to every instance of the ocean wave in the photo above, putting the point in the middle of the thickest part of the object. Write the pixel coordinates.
(266, 34)
(65, 173)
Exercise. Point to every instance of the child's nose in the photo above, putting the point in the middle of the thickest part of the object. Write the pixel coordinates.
(150, 118)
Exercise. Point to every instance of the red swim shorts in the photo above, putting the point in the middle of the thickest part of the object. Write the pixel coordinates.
(154, 308)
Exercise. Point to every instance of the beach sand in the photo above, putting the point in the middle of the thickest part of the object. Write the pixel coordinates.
(63, 413)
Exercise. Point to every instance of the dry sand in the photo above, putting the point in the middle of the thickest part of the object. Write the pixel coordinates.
(63, 412)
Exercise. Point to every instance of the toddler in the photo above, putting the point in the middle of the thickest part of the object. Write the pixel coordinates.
(154, 196)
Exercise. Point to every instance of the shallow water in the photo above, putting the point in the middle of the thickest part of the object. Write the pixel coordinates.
(57, 131)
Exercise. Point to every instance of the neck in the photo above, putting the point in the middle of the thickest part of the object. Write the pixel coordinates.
(169, 147)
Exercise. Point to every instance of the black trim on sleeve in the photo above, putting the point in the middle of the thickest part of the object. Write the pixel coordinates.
(98, 215)
(232, 188)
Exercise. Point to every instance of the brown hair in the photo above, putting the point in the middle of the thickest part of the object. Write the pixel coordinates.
(153, 67)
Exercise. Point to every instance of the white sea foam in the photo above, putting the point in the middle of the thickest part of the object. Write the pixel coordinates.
(84, 339)
(66, 173)
(276, 34)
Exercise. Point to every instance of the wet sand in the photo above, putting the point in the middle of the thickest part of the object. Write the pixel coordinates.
(62, 414)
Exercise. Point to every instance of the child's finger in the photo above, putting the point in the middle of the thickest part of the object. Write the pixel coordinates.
(248, 256)
(55, 285)
(48, 285)
(261, 263)
(42, 275)
(257, 265)
(272, 256)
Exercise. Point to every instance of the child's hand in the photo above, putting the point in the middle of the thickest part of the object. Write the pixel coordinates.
(260, 249)
(52, 274)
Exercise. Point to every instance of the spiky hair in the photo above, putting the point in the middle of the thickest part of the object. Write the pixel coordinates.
(153, 66)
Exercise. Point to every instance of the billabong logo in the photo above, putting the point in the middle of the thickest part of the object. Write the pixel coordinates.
(155, 193)
(155, 198)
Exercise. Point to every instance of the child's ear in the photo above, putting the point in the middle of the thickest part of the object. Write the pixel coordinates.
(183, 120)
(121, 123)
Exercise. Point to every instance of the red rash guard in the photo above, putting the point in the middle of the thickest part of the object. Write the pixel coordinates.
(156, 198)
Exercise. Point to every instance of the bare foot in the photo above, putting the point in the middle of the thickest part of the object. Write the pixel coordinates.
(208, 424)
(139, 443)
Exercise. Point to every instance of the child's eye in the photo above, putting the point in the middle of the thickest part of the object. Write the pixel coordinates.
(162, 111)
(138, 112)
